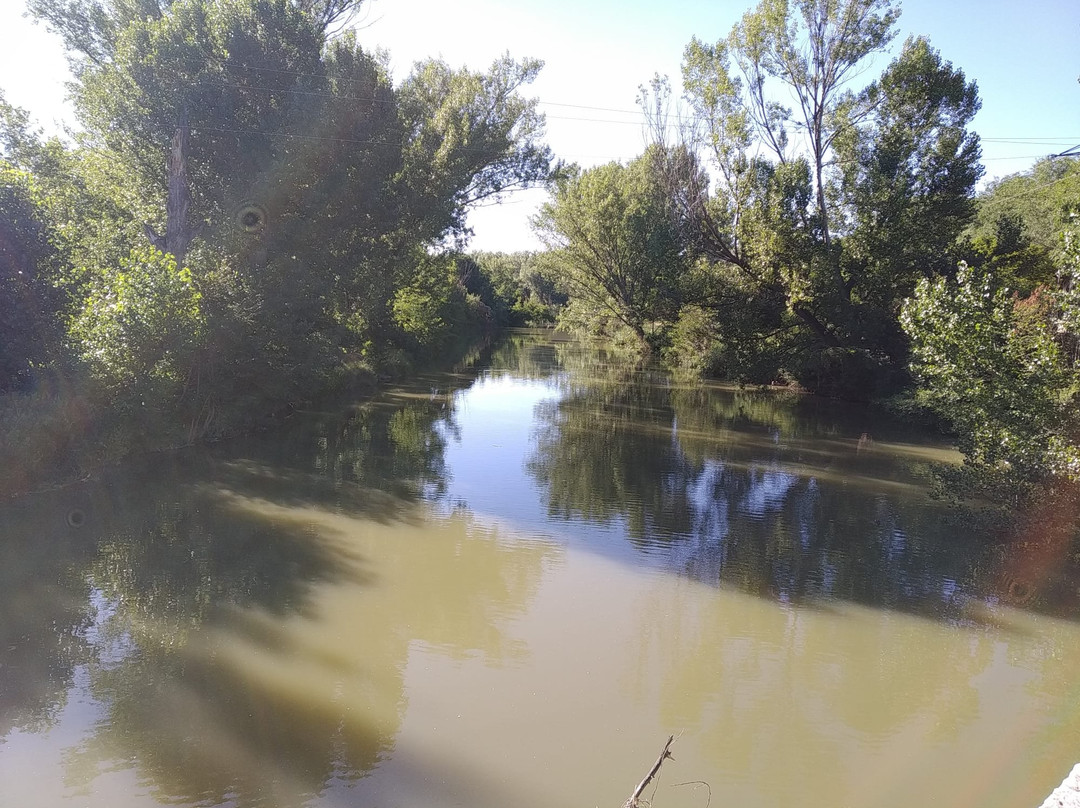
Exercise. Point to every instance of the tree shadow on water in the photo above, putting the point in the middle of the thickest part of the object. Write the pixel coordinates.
(222, 611)
(104, 589)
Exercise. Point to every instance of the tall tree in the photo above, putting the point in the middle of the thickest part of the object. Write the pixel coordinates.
(907, 170)
(813, 47)
(92, 29)
(836, 206)
(618, 248)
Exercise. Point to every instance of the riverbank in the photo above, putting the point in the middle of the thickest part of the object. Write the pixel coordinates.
(70, 429)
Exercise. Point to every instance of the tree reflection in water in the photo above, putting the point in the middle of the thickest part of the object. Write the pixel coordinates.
(225, 614)
(243, 620)
(780, 495)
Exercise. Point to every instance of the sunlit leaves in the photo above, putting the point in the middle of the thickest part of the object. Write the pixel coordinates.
(619, 251)
(470, 137)
(142, 322)
(992, 365)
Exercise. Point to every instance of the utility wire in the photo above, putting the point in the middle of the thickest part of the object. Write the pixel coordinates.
(642, 117)
(371, 141)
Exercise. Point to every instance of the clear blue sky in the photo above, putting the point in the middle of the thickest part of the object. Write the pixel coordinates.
(1025, 57)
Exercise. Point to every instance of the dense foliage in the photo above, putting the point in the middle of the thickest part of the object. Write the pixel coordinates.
(801, 229)
(251, 208)
(518, 288)
(1003, 370)
(618, 247)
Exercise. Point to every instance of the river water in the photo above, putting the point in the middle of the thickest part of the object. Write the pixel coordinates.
(507, 586)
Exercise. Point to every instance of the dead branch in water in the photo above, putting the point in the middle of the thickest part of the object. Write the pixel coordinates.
(633, 801)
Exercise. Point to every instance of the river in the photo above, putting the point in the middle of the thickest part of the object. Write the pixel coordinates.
(506, 586)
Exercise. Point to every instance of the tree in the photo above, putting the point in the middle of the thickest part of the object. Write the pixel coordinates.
(813, 47)
(1003, 371)
(29, 305)
(1016, 232)
(471, 137)
(908, 168)
(1006, 250)
(309, 138)
(618, 248)
(91, 29)
(833, 208)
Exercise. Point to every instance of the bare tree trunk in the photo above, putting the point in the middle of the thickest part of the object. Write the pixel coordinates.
(178, 230)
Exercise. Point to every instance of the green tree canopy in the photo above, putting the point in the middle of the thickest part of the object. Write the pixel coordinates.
(618, 247)
(833, 207)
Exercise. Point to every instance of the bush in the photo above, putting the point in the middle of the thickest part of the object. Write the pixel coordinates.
(139, 329)
(992, 364)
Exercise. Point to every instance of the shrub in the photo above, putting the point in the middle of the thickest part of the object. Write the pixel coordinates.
(139, 328)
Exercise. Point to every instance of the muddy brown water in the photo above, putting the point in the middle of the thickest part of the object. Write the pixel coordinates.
(508, 585)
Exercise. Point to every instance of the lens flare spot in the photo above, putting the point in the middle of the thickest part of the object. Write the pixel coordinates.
(251, 218)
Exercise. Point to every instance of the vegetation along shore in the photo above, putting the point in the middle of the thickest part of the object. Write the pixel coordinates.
(254, 214)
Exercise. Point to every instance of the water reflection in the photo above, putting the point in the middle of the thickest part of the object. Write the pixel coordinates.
(44, 611)
(785, 497)
(264, 708)
(222, 619)
(861, 706)
(368, 607)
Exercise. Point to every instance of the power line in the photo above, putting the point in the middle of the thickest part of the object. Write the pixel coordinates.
(1017, 157)
(642, 117)
(327, 138)
(642, 121)
(365, 142)
(373, 141)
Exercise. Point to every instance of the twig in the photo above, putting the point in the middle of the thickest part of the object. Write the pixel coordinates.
(633, 801)
(695, 783)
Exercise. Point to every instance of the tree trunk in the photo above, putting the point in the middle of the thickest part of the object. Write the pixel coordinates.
(178, 231)
(816, 326)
